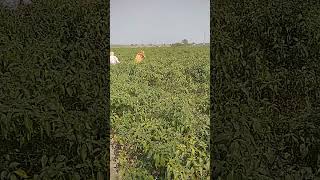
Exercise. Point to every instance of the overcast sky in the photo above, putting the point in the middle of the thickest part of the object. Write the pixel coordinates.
(159, 21)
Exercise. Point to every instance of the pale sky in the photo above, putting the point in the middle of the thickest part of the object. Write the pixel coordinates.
(159, 21)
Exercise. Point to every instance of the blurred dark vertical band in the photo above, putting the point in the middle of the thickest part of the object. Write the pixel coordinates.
(54, 89)
(105, 48)
(212, 86)
(265, 89)
(108, 84)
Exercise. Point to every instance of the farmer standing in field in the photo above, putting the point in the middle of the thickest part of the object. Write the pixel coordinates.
(113, 58)
(139, 57)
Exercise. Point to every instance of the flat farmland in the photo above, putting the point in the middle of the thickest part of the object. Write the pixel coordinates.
(160, 113)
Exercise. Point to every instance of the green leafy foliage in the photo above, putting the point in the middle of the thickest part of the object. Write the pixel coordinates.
(53, 74)
(160, 113)
(265, 89)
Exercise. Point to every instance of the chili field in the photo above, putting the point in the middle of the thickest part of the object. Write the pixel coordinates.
(160, 112)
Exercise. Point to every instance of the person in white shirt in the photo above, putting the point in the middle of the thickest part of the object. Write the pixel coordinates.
(113, 58)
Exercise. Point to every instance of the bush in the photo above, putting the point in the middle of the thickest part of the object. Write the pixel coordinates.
(53, 104)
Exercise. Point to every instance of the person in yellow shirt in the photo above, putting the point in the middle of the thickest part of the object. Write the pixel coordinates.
(140, 57)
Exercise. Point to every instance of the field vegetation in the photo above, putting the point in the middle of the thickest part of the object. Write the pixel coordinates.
(160, 113)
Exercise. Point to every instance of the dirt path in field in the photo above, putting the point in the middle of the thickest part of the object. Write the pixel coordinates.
(113, 163)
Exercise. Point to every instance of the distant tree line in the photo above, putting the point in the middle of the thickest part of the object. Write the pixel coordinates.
(184, 42)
